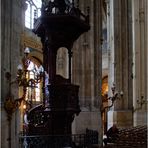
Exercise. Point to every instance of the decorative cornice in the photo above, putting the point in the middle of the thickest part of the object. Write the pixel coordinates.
(27, 41)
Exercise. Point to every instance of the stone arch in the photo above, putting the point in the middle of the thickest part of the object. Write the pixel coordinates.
(36, 54)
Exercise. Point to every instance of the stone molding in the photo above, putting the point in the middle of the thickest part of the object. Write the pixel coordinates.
(27, 41)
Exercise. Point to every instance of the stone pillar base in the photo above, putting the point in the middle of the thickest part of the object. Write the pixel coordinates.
(123, 118)
(140, 117)
(90, 120)
(85, 120)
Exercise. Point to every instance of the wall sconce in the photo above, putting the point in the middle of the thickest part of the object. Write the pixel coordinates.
(23, 80)
(11, 104)
(113, 98)
(140, 102)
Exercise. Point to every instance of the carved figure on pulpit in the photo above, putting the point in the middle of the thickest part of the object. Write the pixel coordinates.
(47, 7)
(56, 6)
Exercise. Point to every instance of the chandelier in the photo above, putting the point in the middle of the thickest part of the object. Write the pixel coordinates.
(23, 79)
(24, 70)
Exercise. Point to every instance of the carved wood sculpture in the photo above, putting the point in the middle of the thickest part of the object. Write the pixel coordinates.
(57, 29)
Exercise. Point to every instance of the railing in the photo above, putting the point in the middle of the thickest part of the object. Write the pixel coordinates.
(59, 141)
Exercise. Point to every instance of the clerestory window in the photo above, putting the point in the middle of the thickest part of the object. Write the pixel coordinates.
(33, 11)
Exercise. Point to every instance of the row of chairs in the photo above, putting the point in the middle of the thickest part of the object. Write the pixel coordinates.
(134, 137)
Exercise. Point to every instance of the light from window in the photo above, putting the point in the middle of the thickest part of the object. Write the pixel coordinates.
(33, 8)
(33, 94)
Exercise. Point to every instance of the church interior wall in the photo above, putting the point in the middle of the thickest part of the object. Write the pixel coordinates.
(139, 61)
(89, 66)
(11, 30)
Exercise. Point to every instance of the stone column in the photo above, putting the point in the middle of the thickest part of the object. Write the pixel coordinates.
(87, 71)
(120, 61)
(110, 43)
(11, 29)
(140, 22)
(146, 39)
(110, 46)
